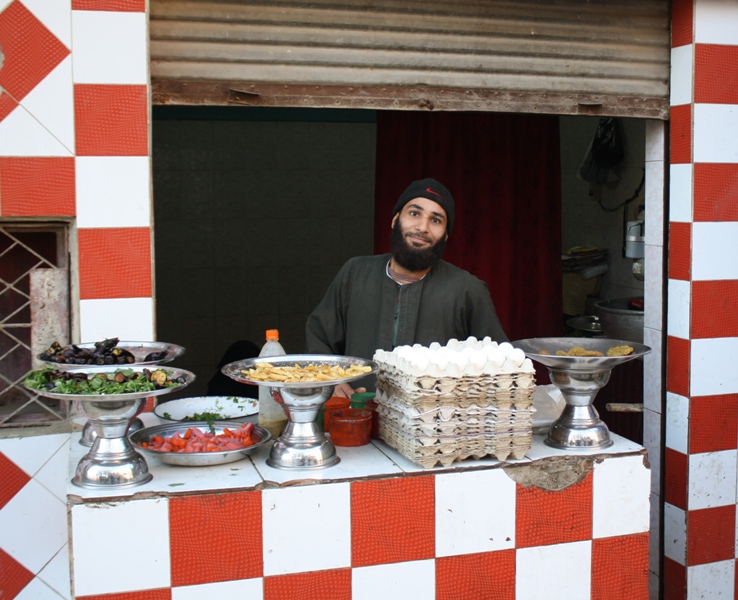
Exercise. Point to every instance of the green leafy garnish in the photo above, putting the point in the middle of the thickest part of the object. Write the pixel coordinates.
(120, 381)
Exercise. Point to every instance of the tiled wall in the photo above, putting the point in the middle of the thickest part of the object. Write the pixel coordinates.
(702, 384)
(474, 535)
(253, 219)
(74, 141)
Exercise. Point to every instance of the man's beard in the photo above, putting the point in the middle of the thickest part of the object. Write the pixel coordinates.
(411, 258)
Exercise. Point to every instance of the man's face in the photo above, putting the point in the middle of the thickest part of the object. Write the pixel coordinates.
(419, 234)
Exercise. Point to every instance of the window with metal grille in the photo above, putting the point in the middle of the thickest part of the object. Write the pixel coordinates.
(34, 311)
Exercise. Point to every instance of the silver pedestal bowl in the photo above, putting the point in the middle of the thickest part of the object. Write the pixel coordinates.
(302, 445)
(112, 462)
(579, 378)
(140, 351)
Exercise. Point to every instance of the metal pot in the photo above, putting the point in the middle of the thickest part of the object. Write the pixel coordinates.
(620, 322)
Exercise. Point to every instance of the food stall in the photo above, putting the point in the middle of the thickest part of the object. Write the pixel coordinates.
(563, 518)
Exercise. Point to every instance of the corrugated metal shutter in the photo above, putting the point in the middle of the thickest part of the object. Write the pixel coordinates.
(561, 56)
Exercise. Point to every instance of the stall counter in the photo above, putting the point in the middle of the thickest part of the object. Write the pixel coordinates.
(554, 524)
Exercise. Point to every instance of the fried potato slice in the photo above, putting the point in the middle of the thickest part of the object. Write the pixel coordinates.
(620, 351)
(303, 373)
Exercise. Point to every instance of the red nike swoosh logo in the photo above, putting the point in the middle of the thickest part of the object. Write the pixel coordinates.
(433, 192)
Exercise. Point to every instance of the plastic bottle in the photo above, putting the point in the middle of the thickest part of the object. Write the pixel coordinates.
(271, 414)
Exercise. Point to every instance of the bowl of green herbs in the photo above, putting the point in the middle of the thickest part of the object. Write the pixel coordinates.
(208, 408)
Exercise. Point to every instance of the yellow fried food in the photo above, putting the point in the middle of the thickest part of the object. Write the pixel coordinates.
(620, 351)
(579, 351)
(297, 373)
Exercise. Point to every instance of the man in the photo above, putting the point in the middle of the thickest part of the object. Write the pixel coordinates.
(409, 296)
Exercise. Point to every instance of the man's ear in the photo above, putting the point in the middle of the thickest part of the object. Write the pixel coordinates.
(392, 224)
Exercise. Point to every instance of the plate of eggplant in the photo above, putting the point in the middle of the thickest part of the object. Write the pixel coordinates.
(110, 352)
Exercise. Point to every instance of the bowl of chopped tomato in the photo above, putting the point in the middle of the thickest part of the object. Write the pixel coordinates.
(200, 443)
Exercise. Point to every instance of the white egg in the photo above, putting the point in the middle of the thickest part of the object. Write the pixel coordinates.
(452, 343)
(495, 357)
(470, 342)
(434, 346)
(506, 348)
(517, 356)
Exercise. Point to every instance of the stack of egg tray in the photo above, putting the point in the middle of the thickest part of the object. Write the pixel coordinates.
(442, 420)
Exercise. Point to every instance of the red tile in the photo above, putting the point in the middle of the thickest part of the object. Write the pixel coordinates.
(157, 594)
(476, 576)
(317, 585)
(31, 51)
(215, 537)
(714, 309)
(716, 74)
(114, 5)
(674, 580)
(715, 191)
(620, 568)
(682, 17)
(680, 251)
(677, 365)
(675, 478)
(111, 120)
(710, 535)
(545, 517)
(713, 423)
(13, 576)
(7, 104)
(680, 127)
(14, 479)
(115, 263)
(392, 520)
(37, 187)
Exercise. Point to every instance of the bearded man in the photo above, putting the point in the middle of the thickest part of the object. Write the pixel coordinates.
(410, 296)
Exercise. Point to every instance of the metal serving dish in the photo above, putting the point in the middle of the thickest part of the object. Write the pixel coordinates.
(140, 351)
(196, 459)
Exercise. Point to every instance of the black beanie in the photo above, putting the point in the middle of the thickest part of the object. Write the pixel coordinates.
(432, 190)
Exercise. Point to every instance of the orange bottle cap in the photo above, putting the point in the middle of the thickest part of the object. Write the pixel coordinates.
(272, 334)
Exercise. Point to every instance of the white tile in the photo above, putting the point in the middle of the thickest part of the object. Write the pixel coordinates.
(655, 144)
(113, 191)
(110, 47)
(653, 288)
(56, 17)
(678, 313)
(712, 581)
(680, 193)
(475, 512)
(306, 528)
(51, 103)
(95, 571)
(4, 4)
(620, 497)
(652, 382)
(399, 581)
(556, 571)
(677, 422)
(253, 589)
(715, 131)
(712, 479)
(712, 370)
(652, 442)
(56, 573)
(655, 203)
(681, 75)
(714, 251)
(32, 452)
(22, 135)
(38, 590)
(34, 526)
(675, 534)
(53, 475)
(359, 461)
(715, 22)
(736, 531)
(128, 318)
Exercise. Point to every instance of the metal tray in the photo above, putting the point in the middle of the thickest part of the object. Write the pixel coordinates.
(533, 347)
(172, 373)
(139, 350)
(196, 459)
(235, 370)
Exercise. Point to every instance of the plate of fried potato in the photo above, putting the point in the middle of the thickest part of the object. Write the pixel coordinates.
(299, 370)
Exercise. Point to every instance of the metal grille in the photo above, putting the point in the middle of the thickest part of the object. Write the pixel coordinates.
(25, 249)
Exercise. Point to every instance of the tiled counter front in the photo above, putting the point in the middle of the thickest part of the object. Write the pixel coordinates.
(373, 526)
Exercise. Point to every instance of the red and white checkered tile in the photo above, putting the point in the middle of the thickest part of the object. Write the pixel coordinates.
(424, 536)
(34, 550)
(74, 141)
(701, 432)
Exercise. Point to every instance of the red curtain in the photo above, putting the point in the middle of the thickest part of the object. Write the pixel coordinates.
(504, 173)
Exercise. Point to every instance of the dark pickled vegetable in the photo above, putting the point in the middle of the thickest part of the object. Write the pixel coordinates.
(156, 356)
(106, 352)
